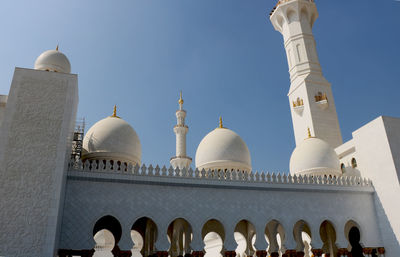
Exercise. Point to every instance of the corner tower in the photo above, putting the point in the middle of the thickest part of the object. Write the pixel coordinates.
(310, 95)
(180, 129)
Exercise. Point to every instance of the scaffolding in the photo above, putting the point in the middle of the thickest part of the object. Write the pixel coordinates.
(78, 139)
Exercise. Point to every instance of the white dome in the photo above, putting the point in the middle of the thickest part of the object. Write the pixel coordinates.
(53, 60)
(314, 156)
(112, 138)
(223, 149)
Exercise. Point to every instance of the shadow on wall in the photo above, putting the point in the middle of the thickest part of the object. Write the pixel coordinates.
(389, 240)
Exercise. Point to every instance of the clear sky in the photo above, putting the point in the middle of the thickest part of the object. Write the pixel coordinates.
(223, 54)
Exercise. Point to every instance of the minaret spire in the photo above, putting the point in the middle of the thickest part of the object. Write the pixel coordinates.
(180, 101)
(181, 129)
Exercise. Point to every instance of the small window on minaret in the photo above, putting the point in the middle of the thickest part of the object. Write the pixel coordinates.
(353, 163)
(342, 167)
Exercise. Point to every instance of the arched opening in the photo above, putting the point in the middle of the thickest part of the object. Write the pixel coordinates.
(328, 237)
(353, 235)
(353, 163)
(291, 15)
(276, 237)
(144, 236)
(244, 235)
(343, 168)
(180, 235)
(106, 233)
(302, 235)
(213, 235)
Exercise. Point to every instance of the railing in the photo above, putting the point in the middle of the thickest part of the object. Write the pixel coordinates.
(113, 166)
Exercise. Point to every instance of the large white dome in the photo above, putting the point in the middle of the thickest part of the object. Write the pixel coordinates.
(223, 149)
(53, 60)
(314, 156)
(112, 138)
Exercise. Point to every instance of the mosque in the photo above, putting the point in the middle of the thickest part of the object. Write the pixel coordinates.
(340, 198)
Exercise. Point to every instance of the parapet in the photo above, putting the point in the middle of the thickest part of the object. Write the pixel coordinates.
(127, 171)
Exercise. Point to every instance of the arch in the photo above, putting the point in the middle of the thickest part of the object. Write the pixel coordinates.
(144, 235)
(276, 236)
(244, 235)
(342, 168)
(327, 233)
(304, 15)
(353, 236)
(180, 236)
(213, 235)
(353, 163)
(291, 15)
(279, 20)
(302, 236)
(111, 224)
(213, 225)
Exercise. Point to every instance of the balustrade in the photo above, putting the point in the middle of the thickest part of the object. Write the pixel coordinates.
(114, 166)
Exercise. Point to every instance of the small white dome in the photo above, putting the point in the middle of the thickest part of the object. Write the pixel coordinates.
(53, 60)
(112, 138)
(314, 156)
(223, 149)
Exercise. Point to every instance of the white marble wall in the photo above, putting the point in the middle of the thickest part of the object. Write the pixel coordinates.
(34, 146)
(128, 197)
(378, 157)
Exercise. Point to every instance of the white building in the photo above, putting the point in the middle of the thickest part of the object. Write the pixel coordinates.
(339, 198)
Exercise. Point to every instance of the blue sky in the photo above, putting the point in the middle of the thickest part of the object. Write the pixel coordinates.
(223, 54)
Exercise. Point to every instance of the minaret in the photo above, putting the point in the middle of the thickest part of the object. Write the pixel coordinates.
(180, 129)
(310, 95)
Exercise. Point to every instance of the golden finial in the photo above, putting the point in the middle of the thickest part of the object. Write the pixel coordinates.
(309, 132)
(115, 112)
(180, 98)
(220, 122)
(57, 48)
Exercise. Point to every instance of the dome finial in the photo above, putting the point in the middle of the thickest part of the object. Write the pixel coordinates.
(220, 122)
(115, 112)
(57, 48)
(309, 132)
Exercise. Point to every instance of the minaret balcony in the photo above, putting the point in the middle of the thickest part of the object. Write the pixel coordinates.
(181, 157)
(323, 104)
(298, 106)
(299, 109)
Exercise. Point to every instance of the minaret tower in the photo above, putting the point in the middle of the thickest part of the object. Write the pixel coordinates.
(180, 129)
(310, 95)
